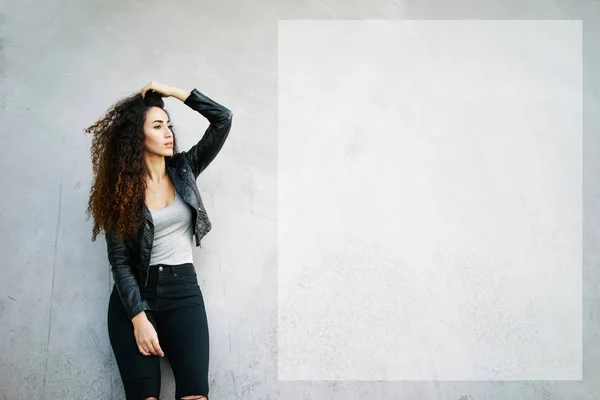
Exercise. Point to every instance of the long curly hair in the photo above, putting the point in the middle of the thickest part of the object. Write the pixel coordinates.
(117, 194)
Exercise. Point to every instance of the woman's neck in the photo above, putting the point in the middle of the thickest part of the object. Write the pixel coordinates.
(156, 168)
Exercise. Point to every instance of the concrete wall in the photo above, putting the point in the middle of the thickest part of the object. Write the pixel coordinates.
(63, 62)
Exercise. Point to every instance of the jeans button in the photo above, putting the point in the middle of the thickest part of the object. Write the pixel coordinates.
(160, 268)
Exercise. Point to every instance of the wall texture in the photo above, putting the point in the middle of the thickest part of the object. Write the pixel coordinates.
(63, 62)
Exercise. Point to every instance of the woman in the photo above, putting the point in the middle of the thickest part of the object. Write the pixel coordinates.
(146, 200)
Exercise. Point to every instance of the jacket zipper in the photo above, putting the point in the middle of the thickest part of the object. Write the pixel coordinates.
(189, 182)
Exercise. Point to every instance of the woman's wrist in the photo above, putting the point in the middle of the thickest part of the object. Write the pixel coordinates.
(139, 317)
(179, 93)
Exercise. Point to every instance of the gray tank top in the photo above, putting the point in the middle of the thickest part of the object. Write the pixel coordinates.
(173, 234)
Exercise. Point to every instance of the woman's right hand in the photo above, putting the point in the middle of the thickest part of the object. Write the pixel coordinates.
(145, 336)
(161, 88)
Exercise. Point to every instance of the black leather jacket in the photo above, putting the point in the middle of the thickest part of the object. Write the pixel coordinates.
(130, 260)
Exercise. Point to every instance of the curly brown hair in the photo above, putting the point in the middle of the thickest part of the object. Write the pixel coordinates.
(117, 194)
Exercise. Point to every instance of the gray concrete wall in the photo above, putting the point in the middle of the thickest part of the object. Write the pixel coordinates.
(63, 62)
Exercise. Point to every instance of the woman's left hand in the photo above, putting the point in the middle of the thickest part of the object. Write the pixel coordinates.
(164, 90)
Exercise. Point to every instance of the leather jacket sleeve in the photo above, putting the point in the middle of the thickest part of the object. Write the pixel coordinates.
(127, 286)
(219, 117)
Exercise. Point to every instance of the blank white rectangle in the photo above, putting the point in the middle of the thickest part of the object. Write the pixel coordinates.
(430, 201)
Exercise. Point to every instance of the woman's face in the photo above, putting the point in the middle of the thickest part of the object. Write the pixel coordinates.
(158, 137)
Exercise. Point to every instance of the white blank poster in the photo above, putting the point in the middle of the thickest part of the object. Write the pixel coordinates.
(430, 200)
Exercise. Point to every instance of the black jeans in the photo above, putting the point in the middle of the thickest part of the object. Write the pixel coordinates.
(178, 315)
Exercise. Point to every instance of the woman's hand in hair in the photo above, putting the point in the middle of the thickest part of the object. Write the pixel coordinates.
(164, 90)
